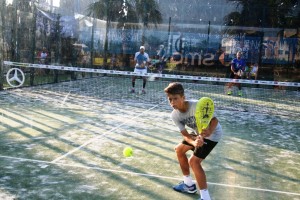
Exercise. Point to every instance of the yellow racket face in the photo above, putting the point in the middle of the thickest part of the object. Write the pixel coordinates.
(204, 112)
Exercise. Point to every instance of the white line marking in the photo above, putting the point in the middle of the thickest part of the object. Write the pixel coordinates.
(66, 97)
(146, 175)
(93, 139)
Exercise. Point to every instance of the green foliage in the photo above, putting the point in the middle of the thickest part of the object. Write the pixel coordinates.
(269, 13)
(127, 14)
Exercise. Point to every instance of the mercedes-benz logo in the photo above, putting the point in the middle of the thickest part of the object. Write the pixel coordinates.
(15, 77)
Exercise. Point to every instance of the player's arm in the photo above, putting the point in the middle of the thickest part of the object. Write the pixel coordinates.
(244, 66)
(148, 60)
(212, 126)
(135, 57)
(232, 67)
(196, 140)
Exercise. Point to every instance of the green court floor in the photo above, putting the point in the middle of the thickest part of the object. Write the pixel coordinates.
(68, 145)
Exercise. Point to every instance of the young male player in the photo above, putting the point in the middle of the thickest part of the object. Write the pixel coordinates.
(141, 59)
(183, 115)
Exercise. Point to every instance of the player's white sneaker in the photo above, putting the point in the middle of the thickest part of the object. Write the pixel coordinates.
(182, 187)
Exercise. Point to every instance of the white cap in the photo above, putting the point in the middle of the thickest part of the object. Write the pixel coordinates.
(142, 47)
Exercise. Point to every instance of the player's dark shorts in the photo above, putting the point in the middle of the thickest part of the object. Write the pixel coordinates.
(202, 152)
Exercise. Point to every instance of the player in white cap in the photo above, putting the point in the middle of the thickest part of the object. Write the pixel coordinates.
(142, 60)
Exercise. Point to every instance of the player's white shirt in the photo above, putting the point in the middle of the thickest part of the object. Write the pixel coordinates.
(254, 70)
(188, 119)
(145, 57)
(44, 55)
(141, 59)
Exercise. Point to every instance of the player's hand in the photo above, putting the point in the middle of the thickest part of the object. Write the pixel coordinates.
(199, 141)
(206, 132)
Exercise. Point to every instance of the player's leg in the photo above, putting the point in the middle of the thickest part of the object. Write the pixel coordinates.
(144, 71)
(144, 84)
(229, 92)
(133, 84)
(187, 185)
(200, 176)
(239, 86)
(181, 150)
(195, 161)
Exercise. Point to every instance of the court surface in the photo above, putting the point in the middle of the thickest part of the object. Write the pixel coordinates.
(67, 143)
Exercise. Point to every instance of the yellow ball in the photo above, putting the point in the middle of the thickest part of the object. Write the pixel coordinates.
(127, 152)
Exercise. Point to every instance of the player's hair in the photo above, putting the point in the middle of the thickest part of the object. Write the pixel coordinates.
(174, 88)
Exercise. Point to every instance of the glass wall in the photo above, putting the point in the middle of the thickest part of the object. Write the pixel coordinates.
(198, 37)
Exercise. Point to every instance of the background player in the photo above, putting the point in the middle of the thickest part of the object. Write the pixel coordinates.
(142, 60)
(236, 71)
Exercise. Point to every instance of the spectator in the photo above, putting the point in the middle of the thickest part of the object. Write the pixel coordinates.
(43, 56)
(82, 57)
(114, 61)
(43, 59)
(162, 58)
(253, 71)
(246, 71)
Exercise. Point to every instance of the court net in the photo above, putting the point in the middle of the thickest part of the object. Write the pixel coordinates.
(282, 98)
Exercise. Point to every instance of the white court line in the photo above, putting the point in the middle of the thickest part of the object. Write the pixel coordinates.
(66, 97)
(93, 139)
(147, 175)
(110, 131)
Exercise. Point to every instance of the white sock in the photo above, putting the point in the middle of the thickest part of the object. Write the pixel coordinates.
(204, 194)
(188, 180)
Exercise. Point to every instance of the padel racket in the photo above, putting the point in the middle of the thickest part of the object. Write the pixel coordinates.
(204, 113)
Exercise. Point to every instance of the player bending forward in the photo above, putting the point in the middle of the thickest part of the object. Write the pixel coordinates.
(184, 115)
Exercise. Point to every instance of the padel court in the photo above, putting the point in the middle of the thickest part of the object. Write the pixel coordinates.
(65, 141)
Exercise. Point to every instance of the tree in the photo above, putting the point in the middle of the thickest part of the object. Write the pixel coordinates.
(127, 13)
(127, 22)
(148, 12)
(280, 14)
(137, 14)
(108, 10)
(269, 13)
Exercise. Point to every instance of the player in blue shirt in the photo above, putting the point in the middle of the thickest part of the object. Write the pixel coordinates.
(238, 65)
